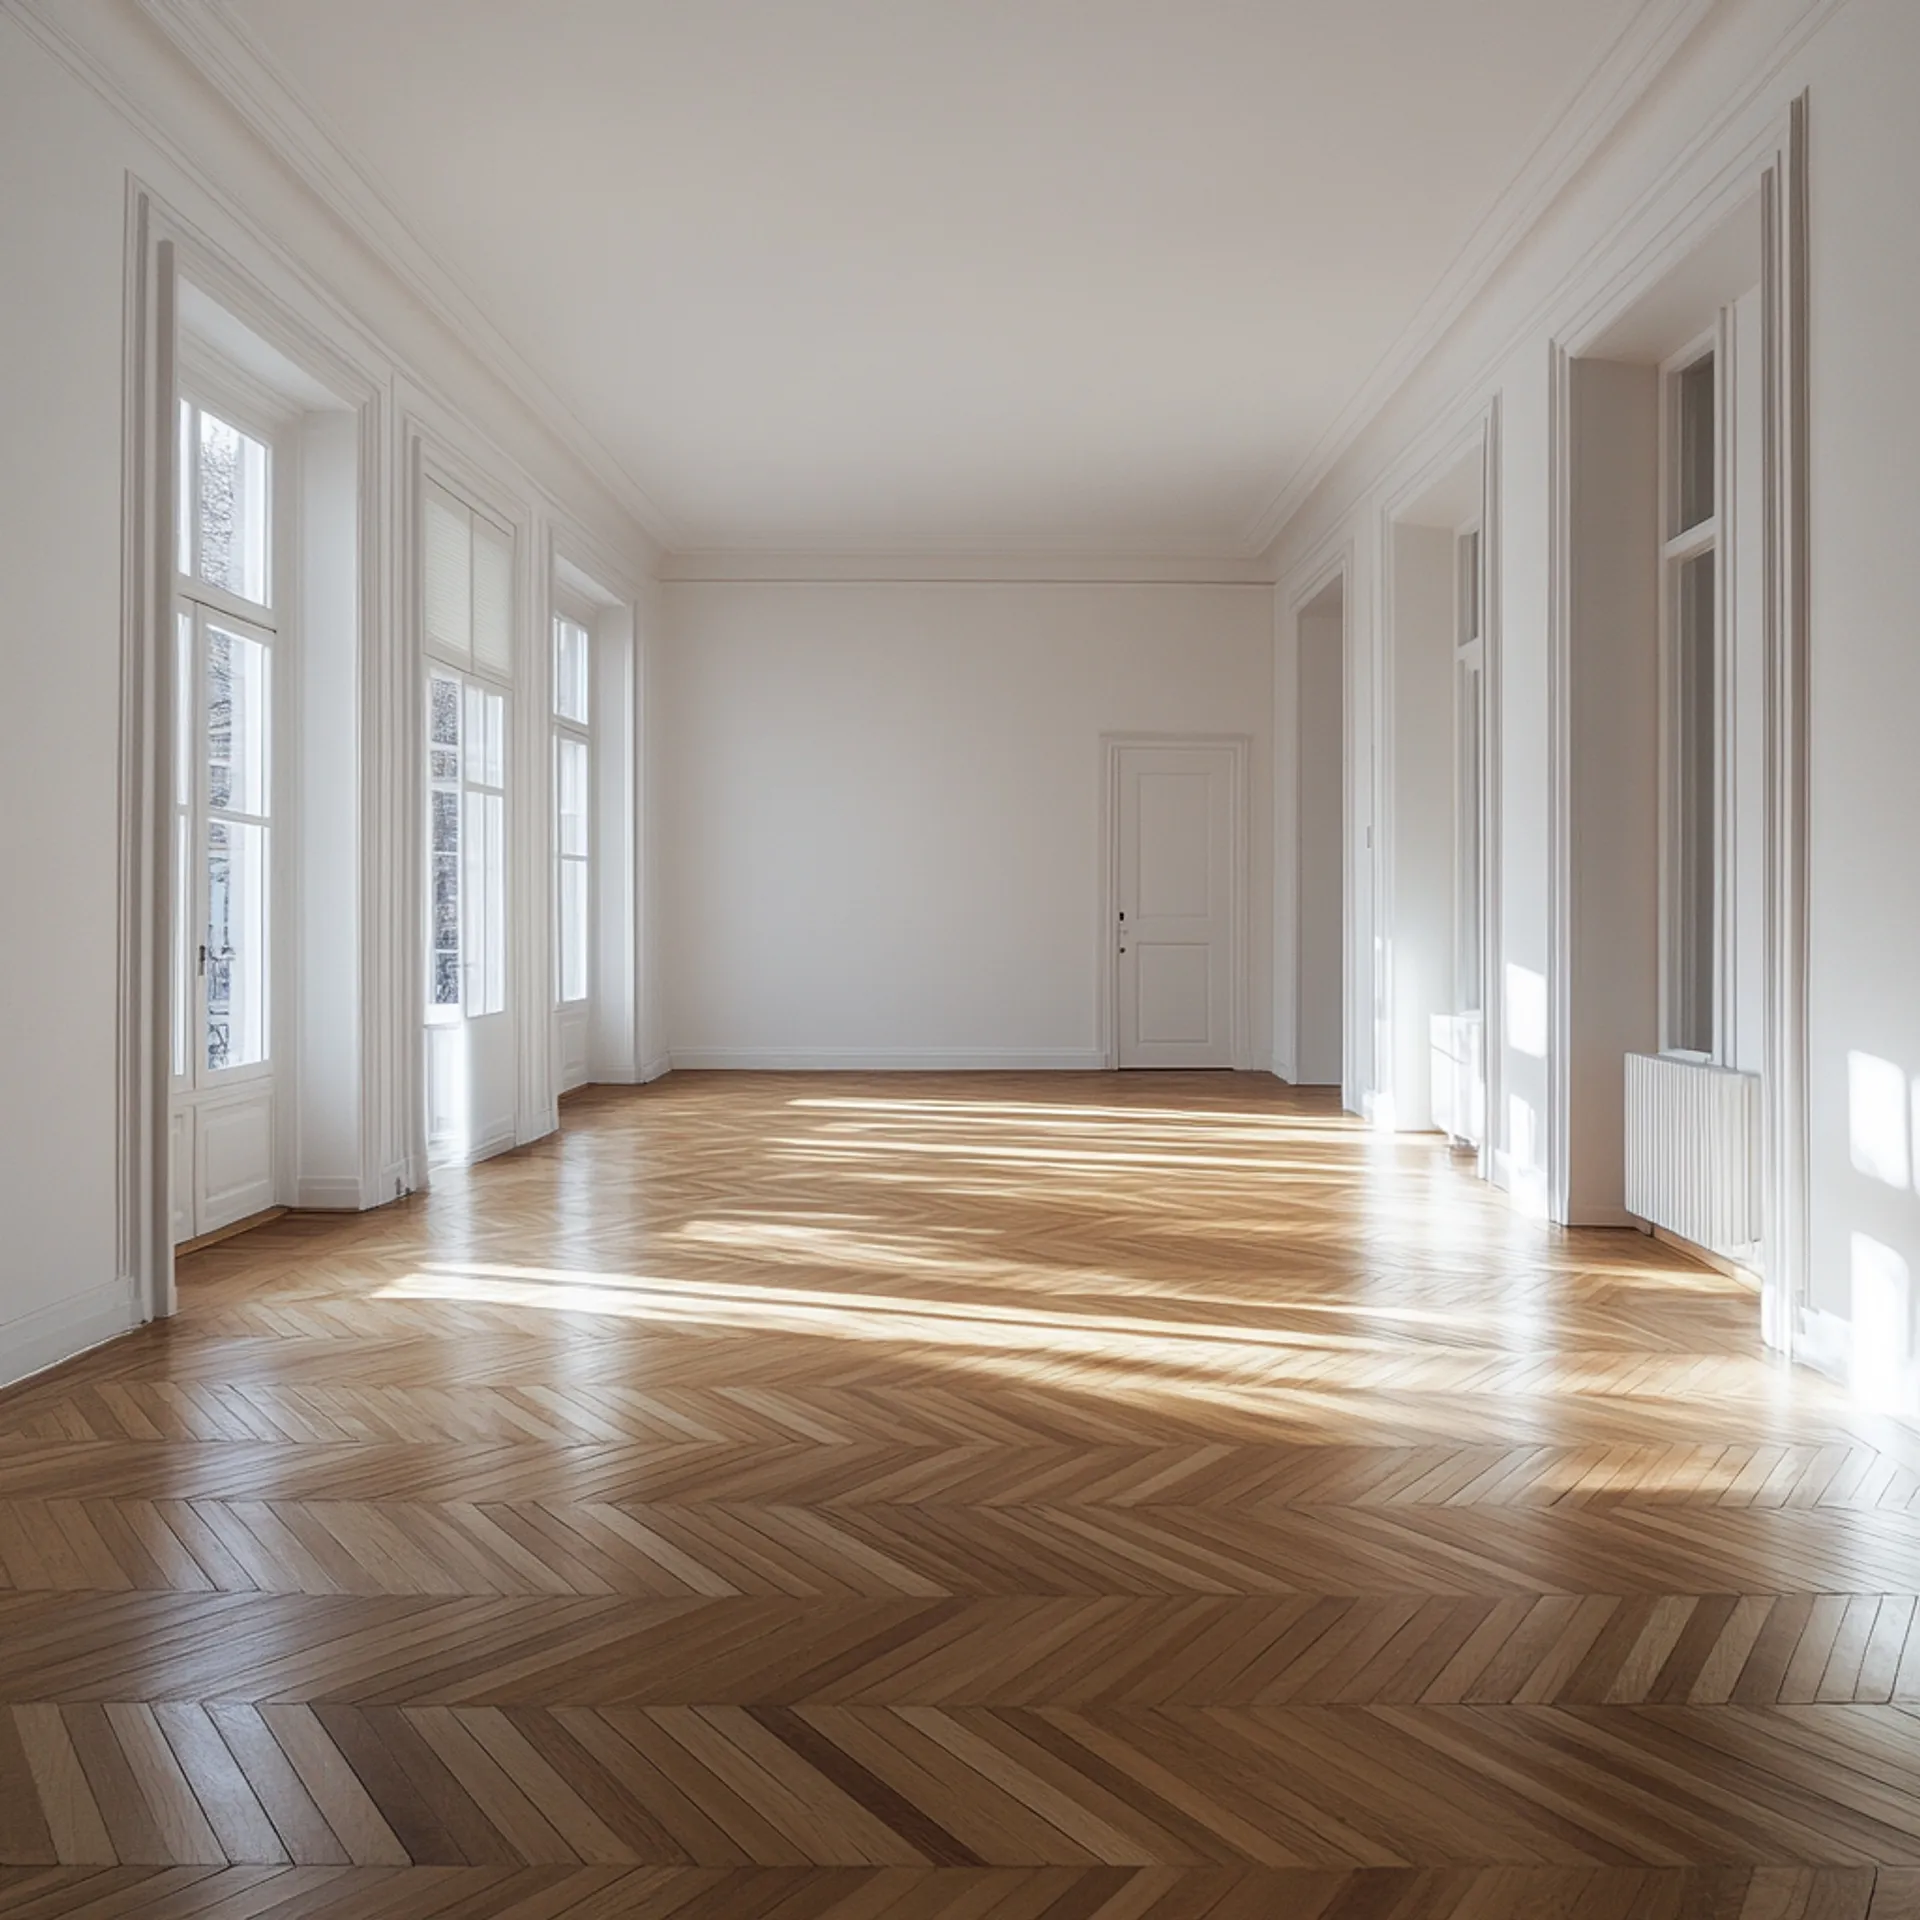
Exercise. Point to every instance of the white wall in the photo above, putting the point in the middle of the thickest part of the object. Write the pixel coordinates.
(1858, 64)
(883, 808)
(66, 157)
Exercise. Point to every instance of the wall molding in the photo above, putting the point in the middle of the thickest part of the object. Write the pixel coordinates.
(331, 1193)
(1333, 565)
(1636, 59)
(1724, 144)
(32, 1342)
(1010, 565)
(226, 56)
(884, 1060)
(1772, 167)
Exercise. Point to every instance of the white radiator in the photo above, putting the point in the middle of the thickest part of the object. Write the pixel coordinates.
(1459, 1076)
(1693, 1151)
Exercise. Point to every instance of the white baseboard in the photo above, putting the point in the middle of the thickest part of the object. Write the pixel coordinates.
(657, 1068)
(329, 1193)
(1825, 1343)
(43, 1338)
(887, 1060)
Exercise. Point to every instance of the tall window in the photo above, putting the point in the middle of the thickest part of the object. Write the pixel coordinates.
(1690, 877)
(1469, 802)
(225, 631)
(572, 846)
(467, 602)
(467, 850)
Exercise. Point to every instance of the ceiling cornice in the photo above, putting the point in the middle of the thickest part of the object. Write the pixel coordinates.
(220, 50)
(218, 47)
(1644, 48)
(978, 566)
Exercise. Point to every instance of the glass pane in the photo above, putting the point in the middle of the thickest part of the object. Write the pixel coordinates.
(572, 929)
(1692, 876)
(446, 979)
(238, 672)
(443, 711)
(496, 954)
(492, 599)
(483, 879)
(446, 821)
(570, 671)
(486, 738)
(1694, 436)
(496, 709)
(231, 509)
(237, 923)
(570, 799)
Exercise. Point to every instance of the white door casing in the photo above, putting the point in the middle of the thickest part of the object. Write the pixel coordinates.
(1176, 839)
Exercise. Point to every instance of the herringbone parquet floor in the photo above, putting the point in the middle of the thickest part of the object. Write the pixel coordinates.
(1001, 1498)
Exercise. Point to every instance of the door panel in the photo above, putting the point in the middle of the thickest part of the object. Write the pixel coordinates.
(181, 1174)
(1176, 887)
(233, 1152)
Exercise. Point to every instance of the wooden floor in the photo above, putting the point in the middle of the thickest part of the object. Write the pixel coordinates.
(993, 1498)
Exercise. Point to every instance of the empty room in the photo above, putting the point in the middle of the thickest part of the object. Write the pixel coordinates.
(961, 960)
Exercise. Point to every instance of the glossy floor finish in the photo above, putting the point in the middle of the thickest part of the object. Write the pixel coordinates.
(1006, 1496)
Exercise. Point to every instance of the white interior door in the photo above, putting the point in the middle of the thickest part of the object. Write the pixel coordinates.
(1176, 906)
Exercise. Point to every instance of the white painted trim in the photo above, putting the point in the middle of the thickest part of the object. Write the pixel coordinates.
(1548, 315)
(33, 1342)
(145, 881)
(1824, 1342)
(1337, 565)
(657, 1068)
(1775, 166)
(331, 1193)
(963, 565)
(883, 1060)
(1648, 42)
(1106, 997)
(1423, 468)
(1786, 1123)
(219, 48)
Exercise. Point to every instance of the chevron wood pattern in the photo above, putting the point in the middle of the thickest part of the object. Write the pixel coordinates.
(993, 1498)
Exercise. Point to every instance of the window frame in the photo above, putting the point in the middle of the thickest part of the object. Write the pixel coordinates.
(564, 728)
(1682, 547)
(199, 605)
(1469, 770)
(491, 966)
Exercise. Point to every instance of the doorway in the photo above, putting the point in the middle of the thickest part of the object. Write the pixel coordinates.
(1320, 816)
(1177, 838)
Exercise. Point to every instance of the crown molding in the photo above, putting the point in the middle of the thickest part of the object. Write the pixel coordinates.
(1637, 57)
(1725, 149)
(206, 34)
(1008, 566)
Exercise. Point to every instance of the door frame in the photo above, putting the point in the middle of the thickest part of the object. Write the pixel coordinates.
(1107, 1001)
(1772, 169)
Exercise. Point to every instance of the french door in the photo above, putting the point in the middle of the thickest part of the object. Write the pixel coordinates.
(471, 1065)
(223, 1092)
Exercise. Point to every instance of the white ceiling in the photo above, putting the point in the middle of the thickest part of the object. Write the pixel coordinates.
(1074, 274)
